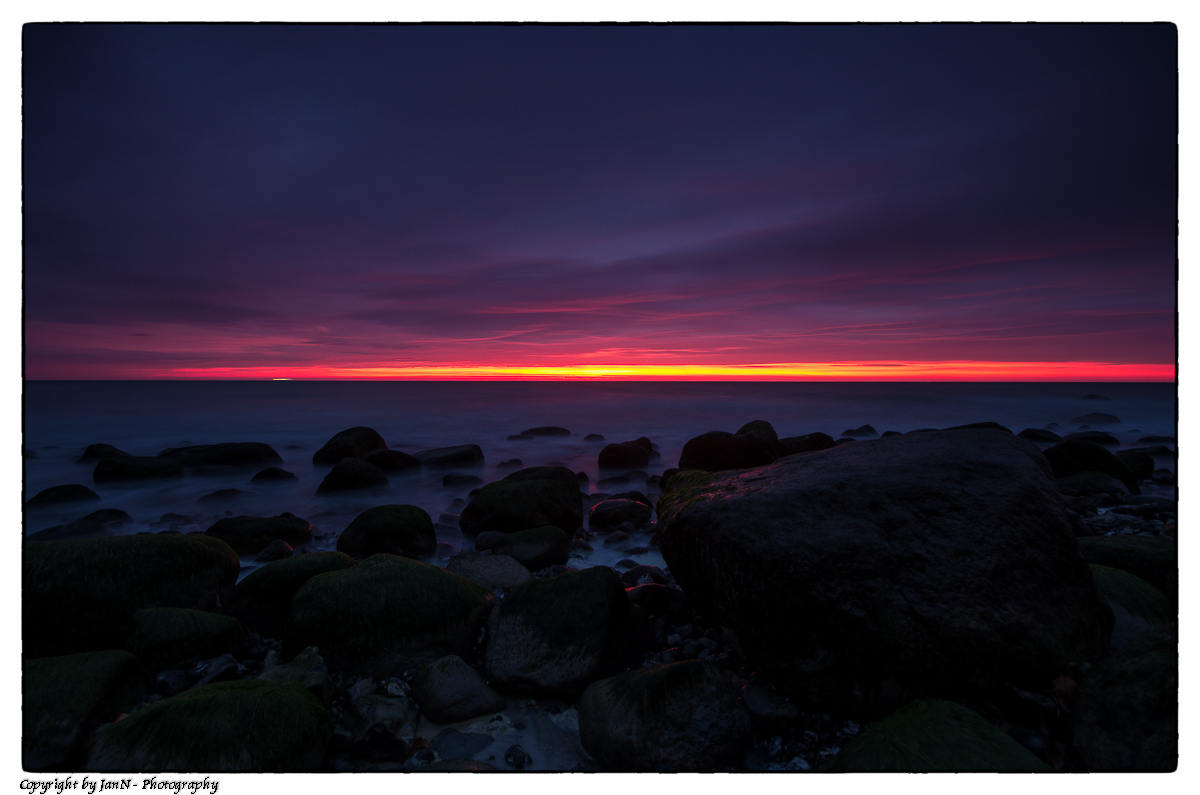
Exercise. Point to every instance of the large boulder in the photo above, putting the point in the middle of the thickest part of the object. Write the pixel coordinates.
(1072, 456)
(350, 443)
(393, 460)
(536, 548)
(448, 690)
(808, 443)
(133, 469)
(678, 717)
(98, 524)
(1151, 558)
(920, 558)
(626, 455)
(1137, 606)
(351, 474)
(490, 571)
(548, 496)
(161, 637)
(78, 595)
(395, 529)
(627, 515)
(264, 598)
(228, 454)
(1040, 435)
(1093, 437)
(553, 637)
(1139, 463)
(249, 535)
(1126, 709)
(247, 725)
(98, 452)
(65, 699)
(463, 455)
(934, 735)
(61, 495)
(386, 615)
(717, 451)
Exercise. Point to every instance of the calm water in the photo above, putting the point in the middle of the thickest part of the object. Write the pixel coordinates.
(297, 417)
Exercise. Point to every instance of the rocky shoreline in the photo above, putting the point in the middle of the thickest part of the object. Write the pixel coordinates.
(957, 599)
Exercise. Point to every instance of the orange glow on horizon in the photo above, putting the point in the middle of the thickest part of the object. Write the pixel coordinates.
(790, 371)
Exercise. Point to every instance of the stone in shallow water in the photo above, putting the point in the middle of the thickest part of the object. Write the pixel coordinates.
(62, 495)
(448, 690)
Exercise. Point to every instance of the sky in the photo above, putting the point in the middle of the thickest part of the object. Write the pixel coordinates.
(861, 202)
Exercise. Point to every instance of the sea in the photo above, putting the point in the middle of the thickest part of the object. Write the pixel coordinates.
(296, 418)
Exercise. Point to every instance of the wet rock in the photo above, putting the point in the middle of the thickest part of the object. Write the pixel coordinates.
(1096, 419)
(808, 443)
(1140, 464)
(392, 460)
(61, 495)
(593, 437)
(1163, 477)
(636, 496)
(220, 727)
(718, 451)
(516, 758)
(552, 637)
(386, 615)
(250, 535)
(98, 452)
(224, 496)
(1095, 437)
(132, 469)
(263, 599)
(307, 668)
(1126, 709)
(512, 463)
(163, 636)
(227, 454)
(351, 474)
(79, 594)
(1137, 605)
(548, 430)
(1086, 484)
(171, 681)
(535, 548)
(640, 575)
(491, 571)
(276, 550)
(767, 707)
(463, 455)
(934, 735)
(624, 455)
(66, 698)
(915, 559)
(448, 690)
(486, 540)
(1071, 457)
(678, 717)
(656, 599)
(861, 432)
(1039, 435)
(1152, 559)
(98, 524)
(458, 480)
(611, 514)
(529, 498)
(388, 715)
(1117, 523)
(350, 443)
(273, 475)
(395, 529)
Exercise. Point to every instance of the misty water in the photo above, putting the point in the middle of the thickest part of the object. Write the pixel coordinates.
(296, 418)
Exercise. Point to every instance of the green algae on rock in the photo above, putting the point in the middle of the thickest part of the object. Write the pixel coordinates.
(160, 637)
(263, 600)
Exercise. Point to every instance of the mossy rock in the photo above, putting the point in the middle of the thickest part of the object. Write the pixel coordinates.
(536, 548)
(66, 698)
(350, 443)
(404, 530)
(247, 725)
(250, 535)
(1136, 604)
(78, 595)
(509, 506)
(386, 615)
(263, 600)
(1072, 456)
(934, 735)
(1126, 709)
(1152, 558)
(677, 717)
(161, 637)
(553, 637)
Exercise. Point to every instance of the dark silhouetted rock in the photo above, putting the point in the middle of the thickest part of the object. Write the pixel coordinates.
(536, 548)
(808, 443)
(247, 725)
(61, 495)
(1096, 419)
(227, 454)
(404, 530)
(392, 460)
(352, 474)
(1156, 440)
(273, 475)
(164, 636)
(548, 430)
(529, 498)
(678, 717)
(759, 428)
(718, 451)
(636, 496)
(1140, 464)
(448, 690)
(98, 524)
(132, 469)
(78, 595)
(627, 515)
(1096, 437)
(249, 535)
(593, 437)
(861, 432)
(512, 463)
(992, 426)
(458, 480)
(934, 735)
(624, 455)
(1039, 435)
(276, 550)
(463, 455)
(224, 496)
(98, 452)
(262, 600)
(1085, 484)
(386, 615)
(1073, 456)
(350, 443)
(553, 637)
(915, 558)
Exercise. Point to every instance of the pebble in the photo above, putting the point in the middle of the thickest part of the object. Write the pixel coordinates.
(516, 758)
